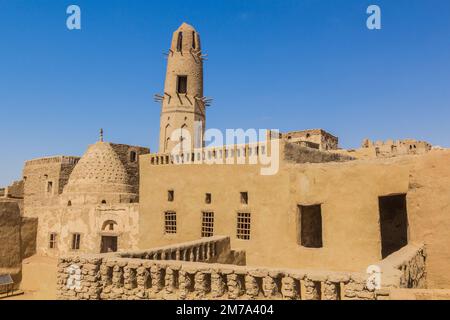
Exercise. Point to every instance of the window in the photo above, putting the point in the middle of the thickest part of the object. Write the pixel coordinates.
(193, 39)
(133, 156)
(170, 222)
(170, 195)
(182, 84)
(244, 197)
(76, 237)
(69, 203)
(103, 201)
(180, 42)
(243, 226)
(49, 187)
(208, 224)
(310, 225)
(52, 242)
(208, 198)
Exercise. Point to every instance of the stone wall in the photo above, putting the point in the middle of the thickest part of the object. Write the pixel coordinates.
(132, 167)
(28, 235)
(296, 153)
(39, 172)
(102, 277)
(323, 139)
(10, 252)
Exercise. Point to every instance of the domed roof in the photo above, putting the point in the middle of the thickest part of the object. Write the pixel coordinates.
(99, 170)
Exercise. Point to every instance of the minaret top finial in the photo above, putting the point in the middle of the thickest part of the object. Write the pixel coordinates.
(101, 134)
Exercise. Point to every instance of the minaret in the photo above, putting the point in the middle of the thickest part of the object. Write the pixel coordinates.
(183, 104)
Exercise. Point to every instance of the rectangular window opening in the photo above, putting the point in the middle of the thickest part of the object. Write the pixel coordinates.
(52, 242)
(170, 222)
(182, 84)
(208, 198)
(244, 197)
(310, 225)
(207, 224)
(50, 187)
(170, 195)
(243, 226)
(76, 238)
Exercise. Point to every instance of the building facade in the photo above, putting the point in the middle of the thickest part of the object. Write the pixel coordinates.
(85, 205)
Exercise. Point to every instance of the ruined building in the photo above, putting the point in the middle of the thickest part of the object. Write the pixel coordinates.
(291, 216)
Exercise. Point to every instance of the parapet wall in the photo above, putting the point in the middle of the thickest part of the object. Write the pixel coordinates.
(296, 153)
(99, 277)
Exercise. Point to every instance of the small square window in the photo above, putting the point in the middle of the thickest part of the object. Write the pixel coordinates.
(243, 226)
(170, 195)
(208, 224)
(208, 198)
(170, 222)
(244, 197)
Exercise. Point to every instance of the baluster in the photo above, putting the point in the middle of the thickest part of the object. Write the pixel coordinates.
(289, 288)
(200, 284)
(218, 285)
(170, 281)
(331, 290)
(251, 286)
(157, 279)
(234, 286)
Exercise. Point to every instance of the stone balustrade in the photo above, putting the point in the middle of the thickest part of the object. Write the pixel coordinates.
(229, 154)
(204, 250)
(106, 276)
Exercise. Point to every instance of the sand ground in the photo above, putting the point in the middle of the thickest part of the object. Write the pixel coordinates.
(38, 279)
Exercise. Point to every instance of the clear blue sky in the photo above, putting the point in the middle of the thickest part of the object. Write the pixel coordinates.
(272, 64)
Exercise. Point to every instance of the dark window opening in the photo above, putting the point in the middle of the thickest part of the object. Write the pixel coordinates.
(170, 195)
(103, 201)
(76, 237)
(69, 204)
(182, 84)
(193, 40)
(310, 225)
(49, 187)
(393, 223)
(133, 156)
(52, 243)
(244, 197)
(170, 222)
(180, 42)
(208, 198)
